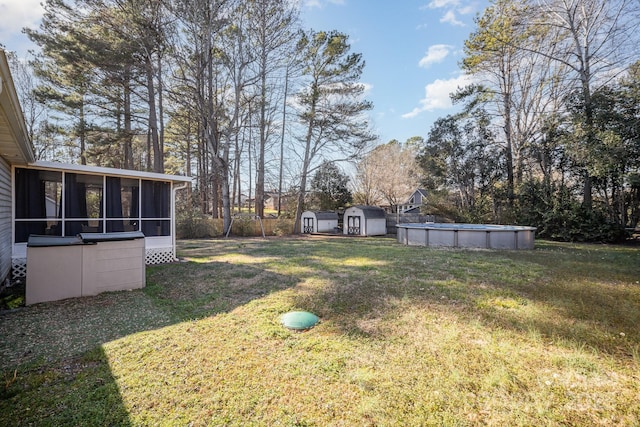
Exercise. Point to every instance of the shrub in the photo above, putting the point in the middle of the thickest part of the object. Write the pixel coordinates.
(284, 226)
(559, 216)
(195, 225)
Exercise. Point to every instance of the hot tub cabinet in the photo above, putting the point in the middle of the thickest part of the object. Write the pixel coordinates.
(91, 263)
(483, 236)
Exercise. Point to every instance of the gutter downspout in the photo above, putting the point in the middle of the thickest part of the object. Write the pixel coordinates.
(173, 217)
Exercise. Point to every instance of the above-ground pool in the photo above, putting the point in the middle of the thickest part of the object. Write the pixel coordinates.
(484, 236)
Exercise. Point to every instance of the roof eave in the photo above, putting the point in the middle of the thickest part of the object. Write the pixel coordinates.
(99, 170)
(17, 149)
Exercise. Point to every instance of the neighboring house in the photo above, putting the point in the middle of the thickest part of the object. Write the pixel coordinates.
(365, 221)
(15, 149)
(271, 199)
(319, 221)
(414, 202)
(48, 198)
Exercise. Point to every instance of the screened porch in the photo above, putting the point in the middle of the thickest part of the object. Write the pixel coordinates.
(66, 200)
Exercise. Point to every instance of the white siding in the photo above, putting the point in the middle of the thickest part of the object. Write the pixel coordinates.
(5, 219)
(327, 225)
(376, 227)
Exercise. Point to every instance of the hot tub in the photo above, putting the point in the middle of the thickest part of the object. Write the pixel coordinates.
(83, 265)
(484, 236)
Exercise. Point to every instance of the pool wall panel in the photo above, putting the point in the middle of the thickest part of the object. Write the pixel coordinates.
(466, 236)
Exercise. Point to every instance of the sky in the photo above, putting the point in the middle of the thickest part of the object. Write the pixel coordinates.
(411, 48)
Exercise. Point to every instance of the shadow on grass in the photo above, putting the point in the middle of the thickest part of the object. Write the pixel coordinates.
(591, 296)
(80, 391)
(54, 369)
(576, 295)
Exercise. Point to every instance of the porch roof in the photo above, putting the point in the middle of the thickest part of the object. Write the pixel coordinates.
(98, 170)
(15, 146)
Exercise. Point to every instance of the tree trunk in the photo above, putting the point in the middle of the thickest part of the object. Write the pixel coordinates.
(158, 163)
(263, 136)
(284, 118)
(128, 139)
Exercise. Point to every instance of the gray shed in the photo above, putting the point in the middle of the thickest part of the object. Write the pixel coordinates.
(365, 221)
(319, 221)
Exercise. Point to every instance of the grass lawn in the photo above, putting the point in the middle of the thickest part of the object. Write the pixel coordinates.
(408, 336)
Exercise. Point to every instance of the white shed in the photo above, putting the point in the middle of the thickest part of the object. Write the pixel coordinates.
(319, 221)
(365, 221)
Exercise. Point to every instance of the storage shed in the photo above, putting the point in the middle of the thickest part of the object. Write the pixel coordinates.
(319, 222)
(365, 221)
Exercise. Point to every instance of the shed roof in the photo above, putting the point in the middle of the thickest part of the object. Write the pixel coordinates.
(372, 212)
(326, 215)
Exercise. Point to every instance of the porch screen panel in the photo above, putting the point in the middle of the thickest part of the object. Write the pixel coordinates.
(156, 199)
(83, 203)
(37, 203)
(122, 204)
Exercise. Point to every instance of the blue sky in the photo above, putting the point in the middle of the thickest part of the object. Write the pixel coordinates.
(411, 49)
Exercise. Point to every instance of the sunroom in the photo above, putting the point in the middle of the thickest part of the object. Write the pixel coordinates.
(55, 199)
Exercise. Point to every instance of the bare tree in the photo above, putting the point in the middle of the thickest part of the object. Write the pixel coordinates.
(596, 41)
(388, 174)
(271, 26)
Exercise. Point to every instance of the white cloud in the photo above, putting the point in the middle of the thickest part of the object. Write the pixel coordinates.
(450, 17)
(453, 8)
(437, 95)
(436, 53)
(466, 10)
(320, 3)
(437, 4)
(17, 14)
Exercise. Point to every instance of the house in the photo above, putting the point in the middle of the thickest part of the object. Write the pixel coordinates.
(414, 202)
(273, 200)
(56, 199)
(319, 221)
(365, 221)
(15, 149)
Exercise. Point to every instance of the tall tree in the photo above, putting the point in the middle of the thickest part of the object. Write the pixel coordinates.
(200, 77)
(63, 68)
(459, 158)
(271, 27)
(517, 81)
(596, 40)
(331, 108)
(330, 188)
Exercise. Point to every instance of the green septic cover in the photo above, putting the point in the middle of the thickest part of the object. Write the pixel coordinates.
(299, 320)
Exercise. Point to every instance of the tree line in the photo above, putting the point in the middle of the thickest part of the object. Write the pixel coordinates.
(549, 135)
(238, 95)
(232, 92)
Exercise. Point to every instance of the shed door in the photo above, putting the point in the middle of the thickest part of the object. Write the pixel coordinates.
(353, 225)
(308, 225)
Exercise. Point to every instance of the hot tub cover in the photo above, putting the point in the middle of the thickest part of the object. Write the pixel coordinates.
(111, 237)
(43, 241)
